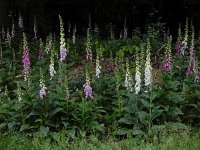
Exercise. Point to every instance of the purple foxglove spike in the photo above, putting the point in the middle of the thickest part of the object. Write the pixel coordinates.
(167, 65)
(26, 61)
(40, 54)
(88, 91)
(42, 93)
(191, 51)
(196, 79)
(178, 48)
(63, 53)
(189, 70)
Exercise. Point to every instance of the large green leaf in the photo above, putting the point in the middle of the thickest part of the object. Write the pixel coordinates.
(143, 117)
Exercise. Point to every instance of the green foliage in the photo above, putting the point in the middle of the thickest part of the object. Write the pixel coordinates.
(171, 102)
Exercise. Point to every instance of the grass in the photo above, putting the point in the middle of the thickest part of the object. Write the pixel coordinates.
(17, 141)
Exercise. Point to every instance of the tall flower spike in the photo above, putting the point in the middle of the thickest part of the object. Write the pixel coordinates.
(148, 68)
(63, 50)
(88, 46)
(125, 29)
(1, 52)
(96, 29)
(87, 88)
(6, 92)
(178, 42)
(19, 92)
(128, 79)
(196, 72)
(112, 36)
(43, 89)
(66, 88)
(52, 71)
(69, 27)
(167, 64)
(74, 35)
(40, 51)
(98, 67)
(20, 22)
(35, 28)
(25, 59)
(90, 22)
(49, 43)
(137, 74)
(184, 43)
(117, 76)
(8, 39)
(2, 32)
(190, 70)
(13, 29)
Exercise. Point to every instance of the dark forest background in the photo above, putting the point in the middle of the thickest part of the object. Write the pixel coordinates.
(138, 13)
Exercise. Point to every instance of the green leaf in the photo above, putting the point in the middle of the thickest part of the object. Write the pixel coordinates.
(11, 125)
(143, 117)
(156, 112)
(43, 132)
(100, 127)
(56, 136)
(2, 125)
(177, 126)
(71, 133)
(121, 131)
(157, 128)
(174, 97)
(24, 127)
(136, 132)
(34, 113)
(55, 111)
(126, 120)
(145, 103)
(175, 111)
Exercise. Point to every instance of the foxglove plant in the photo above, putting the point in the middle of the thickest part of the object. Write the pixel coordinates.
(148, 68)
(43, 89)
(25, 59)
(20, 22)
(196, 72)
(117, 77)
(52, 71)
(167, 63)
(178, 42)
(13, 30)
(88, 46)
(125, 29)
(49, 43)
(128, 78)
(137, 74)
(6, 92)
(190, 70)
(98, 67)
(74, 35)
(1, 51)
(8, 39)
(96, 29)
(19, 92)
(67, 96)
(69, 27)
(184, 43)
(40, 51)
(87, 88)
(112, 36)
(63, 50)
(142, 54)
(35, 28)
(2, 32)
